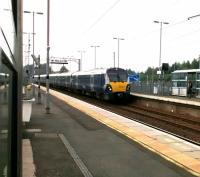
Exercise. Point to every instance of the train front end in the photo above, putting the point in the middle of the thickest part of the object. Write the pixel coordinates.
(117, 86)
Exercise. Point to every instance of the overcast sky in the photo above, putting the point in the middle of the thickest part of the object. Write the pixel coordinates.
(78, 24)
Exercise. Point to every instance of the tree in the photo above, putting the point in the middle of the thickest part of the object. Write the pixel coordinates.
(151, 73)
(63, 69)
(29, 68)
(43, 69)
(195, 64)
(129, 71)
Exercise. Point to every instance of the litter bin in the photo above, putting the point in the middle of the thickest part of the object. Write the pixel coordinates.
(27, 109)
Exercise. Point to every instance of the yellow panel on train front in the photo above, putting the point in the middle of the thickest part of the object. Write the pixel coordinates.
(118, 86)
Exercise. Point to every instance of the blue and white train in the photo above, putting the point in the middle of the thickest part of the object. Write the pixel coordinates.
(106, 84)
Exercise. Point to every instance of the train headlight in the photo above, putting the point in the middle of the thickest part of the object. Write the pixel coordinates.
(109, 88)
(128, 88)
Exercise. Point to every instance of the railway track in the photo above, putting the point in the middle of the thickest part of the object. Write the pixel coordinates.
(173, 120)
(187, 128)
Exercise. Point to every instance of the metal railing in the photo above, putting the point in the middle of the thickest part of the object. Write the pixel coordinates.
(152, 88)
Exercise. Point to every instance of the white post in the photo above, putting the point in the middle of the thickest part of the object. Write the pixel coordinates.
(47, 65)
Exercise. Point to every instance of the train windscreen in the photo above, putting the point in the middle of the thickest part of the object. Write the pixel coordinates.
(117, 75)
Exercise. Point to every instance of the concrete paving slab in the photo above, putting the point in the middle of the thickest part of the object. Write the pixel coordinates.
(155, 133)
(28, 166)
(165, 139)
(142, 129)
(169, 99)
(194, 154)
(52, 159)
(158, 146)
(182, 147)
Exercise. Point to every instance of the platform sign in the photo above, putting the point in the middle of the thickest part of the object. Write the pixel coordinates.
(133, 78)
(158, 72)
(59, 61)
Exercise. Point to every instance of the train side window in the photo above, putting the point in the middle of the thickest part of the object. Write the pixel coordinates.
(7, 114)
(97, 80)
(103, 79)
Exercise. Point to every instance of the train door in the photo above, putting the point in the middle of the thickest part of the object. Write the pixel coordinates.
(92, 83)
(76, 82)
(102, 81)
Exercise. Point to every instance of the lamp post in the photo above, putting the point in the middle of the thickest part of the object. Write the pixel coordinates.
(189, 18)
(47, 65)
(118, 39)
(39, 13)
(114, 58)
(28, 54)
(33, 12)
(70, 58)
(161, 23)
(80, 61)
(95, 46)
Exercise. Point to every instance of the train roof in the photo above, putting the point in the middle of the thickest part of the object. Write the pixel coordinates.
(93, 71)
(89, 72)
(62, 74)
(187, 71)
(56, 74)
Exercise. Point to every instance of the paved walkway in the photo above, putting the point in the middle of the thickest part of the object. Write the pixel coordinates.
(174, 149)
(174, 99)
(55, 126)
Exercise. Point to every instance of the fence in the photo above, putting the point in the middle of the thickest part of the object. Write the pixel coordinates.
(152, 88)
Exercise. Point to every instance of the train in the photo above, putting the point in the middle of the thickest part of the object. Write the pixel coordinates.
(3, 78)
(105, 84)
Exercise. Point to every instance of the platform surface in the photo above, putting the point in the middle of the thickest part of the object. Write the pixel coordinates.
(127, 149)
(173, 99)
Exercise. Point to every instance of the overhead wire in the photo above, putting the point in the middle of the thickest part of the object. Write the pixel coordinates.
(103, 15)
(147, 34)
(170, 26)
(186, 34)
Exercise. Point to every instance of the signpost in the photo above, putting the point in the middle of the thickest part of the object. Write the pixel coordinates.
(58, 60)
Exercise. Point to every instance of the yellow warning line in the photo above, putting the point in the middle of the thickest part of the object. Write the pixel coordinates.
(178, 158)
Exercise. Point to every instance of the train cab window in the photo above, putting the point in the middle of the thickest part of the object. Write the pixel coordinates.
(117, 75)
(123, 76)
(113, 77)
